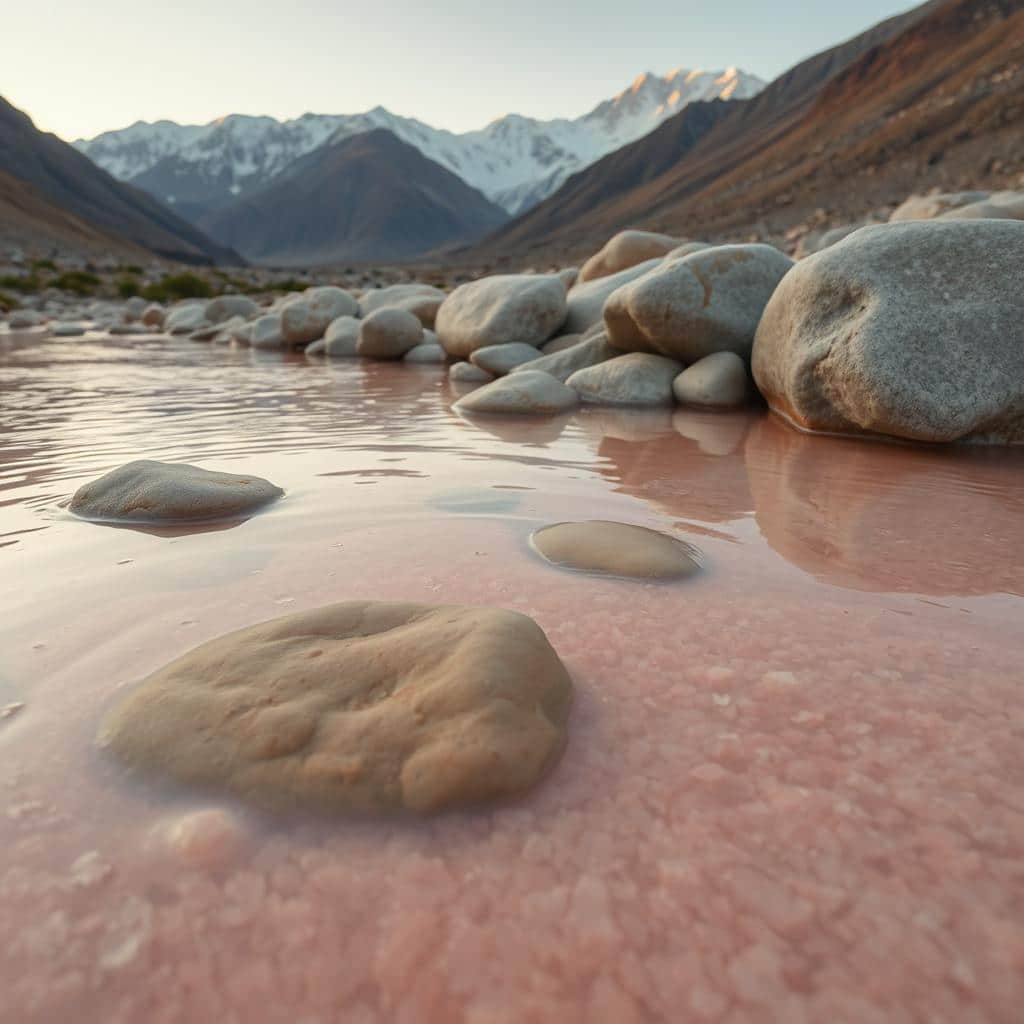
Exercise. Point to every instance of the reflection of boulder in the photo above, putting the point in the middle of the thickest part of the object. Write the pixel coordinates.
(643, 453)
(891, 518)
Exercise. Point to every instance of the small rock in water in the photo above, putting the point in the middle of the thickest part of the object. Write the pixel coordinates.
(265, 333)
(718, 381)
(64, 329)
(388, 333)
(425, 353)
(422, 300)
(341, 338)
(616, 549)
(467, 373)
(528, 392)
(634, 379)
(210, 837)
(501, 359)
(564, 362)
(307, 317)
(170, 492)
(356, 707)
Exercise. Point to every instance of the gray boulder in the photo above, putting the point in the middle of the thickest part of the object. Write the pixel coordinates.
(912, 330)
(422, 300)
(342, 338)
(388, 333)
(563, 363)
(498, 360)
(224, 307)
(634, 379)
(527, 393)
(585, 302)
(709, 301)
(625, 250)
(427, 352)
(307, 317)
(467, 373)
(266, 332)
(718, 381)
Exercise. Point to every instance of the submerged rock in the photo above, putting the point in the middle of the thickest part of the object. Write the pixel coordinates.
(616, 549)
(912, 330)
(528, 308)
(170, 492)
(356, 707)
(528, 392)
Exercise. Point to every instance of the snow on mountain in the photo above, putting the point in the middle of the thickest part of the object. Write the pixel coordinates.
(515, 161)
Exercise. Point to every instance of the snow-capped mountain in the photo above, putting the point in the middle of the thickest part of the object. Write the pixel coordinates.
(515, 161)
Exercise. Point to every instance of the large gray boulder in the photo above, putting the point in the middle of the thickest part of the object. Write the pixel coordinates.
(627, 249)
(912, 330)
(422, 300)
(709, 301)
(307, 317)
(634, 379)
(186, 318)
(528, 308)
(388, 333)
(563, 363)
(224, 307)
(585, 302)
(528, 393)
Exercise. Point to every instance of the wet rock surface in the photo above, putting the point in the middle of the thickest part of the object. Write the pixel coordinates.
(529, 392)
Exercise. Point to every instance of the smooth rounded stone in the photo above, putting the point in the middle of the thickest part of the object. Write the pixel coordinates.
(207, 838)
(425, 353)
(569, 276)
(356, 707)
(563, 341)
(616, 549)
(153, 315)
(318, 348)
(341, 338)
(186, 319)
(65, 329)
(912, 330)
(817, 242)
(135, 307)
(129, 330)
(718, 381)
(266, 332)
(467, 373)
(526, 393)
(305, 319)
(145, 491)
(710, 301)
(526, 308)
(388, 333)
(686, 249)
(226, 331)
(242, 335)
(224, 307)
(585, 302)
(928, 207)
(498, 360)
(634, 379)
(563, 363)
(422, 300)
(1002, 206)
(208, 333)
(625, 250)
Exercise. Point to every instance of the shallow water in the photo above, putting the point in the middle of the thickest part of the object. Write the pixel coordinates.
(794, 788)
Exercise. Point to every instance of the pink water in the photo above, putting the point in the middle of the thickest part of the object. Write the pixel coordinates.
(794, 788)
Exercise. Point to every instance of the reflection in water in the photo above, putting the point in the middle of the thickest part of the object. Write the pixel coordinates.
(893, 518)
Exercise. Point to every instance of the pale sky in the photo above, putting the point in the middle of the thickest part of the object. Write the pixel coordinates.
(80, 67)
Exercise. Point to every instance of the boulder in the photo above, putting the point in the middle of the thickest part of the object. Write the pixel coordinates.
(428, 352)
(66, 329)
(422, 300)
(625, 250)
(528, 393)
(224, 307)
(911, 330)
(718, 381)
(22, 319)
(634, 379)
(1001, 206)
(710, 301)
(307, 317)
(927, 207)
(359, 707)
(568, 276)
(186, 319)
(527, 308)
(585, 302)
(563, 363)
(341, 338)
(266, 332)
(135, 307)
(563, 341)
(170, 492)
(467, 373)
(498, 360)
(388, 333)
(153, 315)
(686, 249)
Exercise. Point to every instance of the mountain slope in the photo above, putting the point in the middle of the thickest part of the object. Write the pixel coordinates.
(69, 180)
(515, 161)
(735, 150)
(370, 197)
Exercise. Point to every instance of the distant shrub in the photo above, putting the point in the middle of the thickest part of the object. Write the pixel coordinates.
(127, 287)
(20, 284)
(7, 302)
(129, 268)
(288, 284)
(178, 286)
(79, 282)
(44, 265)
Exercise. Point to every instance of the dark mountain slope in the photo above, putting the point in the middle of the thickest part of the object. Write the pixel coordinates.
(370, 197)
(71, 181)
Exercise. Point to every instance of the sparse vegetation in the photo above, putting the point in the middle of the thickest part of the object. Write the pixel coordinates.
(29, 283)
(127, 287)
(178, 286)
(7, 302)
(79, 282)
(44, 265)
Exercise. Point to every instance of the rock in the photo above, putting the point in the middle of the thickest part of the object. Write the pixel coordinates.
(927, 207)
(467, 373)
(625, 250)
(569, 276)
(528, 392)
(811, 244)
(226, 332)
(616, 549)
(226, 306)
(170, 492)
(585, 302)
(242, 335)
(526, 308)
(341, 338)
(128, 330)
(207, 333)
(355, 707)
(305, 319)
(718, 381)
(563, 363)
(388, 333)
(635, 379)
(563, 341)
(710, 301)
(318, 348)
(65, 329)
(425, 353)
(266, 332)
(912, 330)
(498, 360)
(153, 315)
(22, 319)
(686, 249)
(1001, 206)
(186, 319)
(422, 300)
